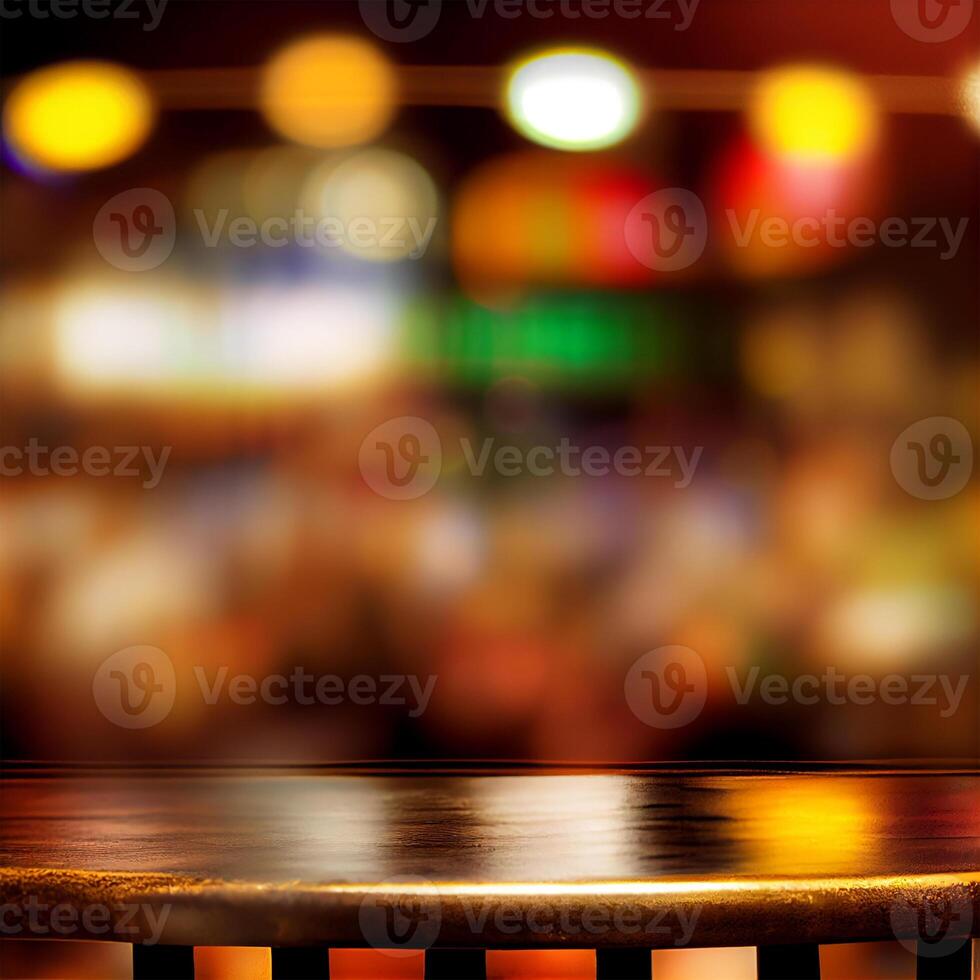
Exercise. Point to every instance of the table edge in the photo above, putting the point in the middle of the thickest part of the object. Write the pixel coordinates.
(672, 912)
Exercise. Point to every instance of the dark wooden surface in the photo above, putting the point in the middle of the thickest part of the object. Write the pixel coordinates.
(656, 859)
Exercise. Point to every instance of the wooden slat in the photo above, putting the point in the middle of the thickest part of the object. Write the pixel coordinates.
(789, 962)
(163, 962)
(623, 964)
(455, 964)
(300, 963)
(955, 965)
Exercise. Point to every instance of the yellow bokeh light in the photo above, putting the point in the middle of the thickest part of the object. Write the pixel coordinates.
(815, 114)
(80, 115)
(328, 91)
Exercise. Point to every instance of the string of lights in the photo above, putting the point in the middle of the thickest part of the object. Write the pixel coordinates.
(331, 91)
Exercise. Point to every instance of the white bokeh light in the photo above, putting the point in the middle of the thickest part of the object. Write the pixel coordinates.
(573, 100)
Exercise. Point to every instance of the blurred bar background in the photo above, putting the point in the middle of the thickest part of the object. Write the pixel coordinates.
(526, 317)
(522, 314)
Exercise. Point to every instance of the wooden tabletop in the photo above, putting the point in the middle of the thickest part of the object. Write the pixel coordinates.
(657, 858)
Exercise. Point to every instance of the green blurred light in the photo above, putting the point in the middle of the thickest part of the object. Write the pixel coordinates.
(564, 340)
